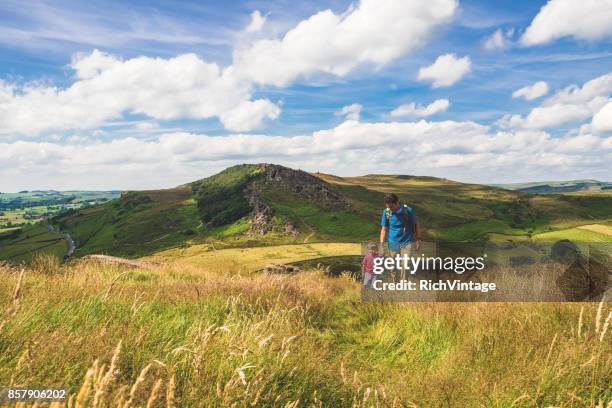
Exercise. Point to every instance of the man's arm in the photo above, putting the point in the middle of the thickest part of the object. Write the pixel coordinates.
(384, 226)
(383, 234)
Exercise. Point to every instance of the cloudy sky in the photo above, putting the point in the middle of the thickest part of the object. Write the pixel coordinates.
(127, 95)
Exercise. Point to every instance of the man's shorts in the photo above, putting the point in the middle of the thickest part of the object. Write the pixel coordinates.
(402, 272)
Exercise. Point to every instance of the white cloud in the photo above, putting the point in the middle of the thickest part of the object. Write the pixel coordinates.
(584, 20)
(411, 109)
(600, 86)
(257, 22)
(88, 66)
(510, 121)
(249, 115)
(531, 92)
(374, 32)
(550, 116)
(499, 40)
(602, 120)
(107, 87)
(569, 105)
(460, 150)
(350, 112)
(556, 115)
(446, 70)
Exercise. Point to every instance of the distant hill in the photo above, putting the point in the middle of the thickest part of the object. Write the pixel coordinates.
(266, 204)
(570, 186)
(35, 198)
(28, 207)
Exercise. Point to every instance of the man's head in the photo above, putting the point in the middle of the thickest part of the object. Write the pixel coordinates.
(392, 202)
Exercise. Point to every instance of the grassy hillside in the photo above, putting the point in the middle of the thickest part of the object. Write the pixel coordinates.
(255, 205)
(221, 198)
(190, 337)
(457, 211)
(285, 203)
(138, 223)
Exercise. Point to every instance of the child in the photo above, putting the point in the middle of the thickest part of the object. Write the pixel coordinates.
(367, 265)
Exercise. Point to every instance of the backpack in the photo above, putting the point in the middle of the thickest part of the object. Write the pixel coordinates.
(407, 212)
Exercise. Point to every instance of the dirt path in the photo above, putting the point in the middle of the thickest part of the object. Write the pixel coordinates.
(312, 232)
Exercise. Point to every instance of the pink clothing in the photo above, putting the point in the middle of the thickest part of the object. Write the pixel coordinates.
(368, 263)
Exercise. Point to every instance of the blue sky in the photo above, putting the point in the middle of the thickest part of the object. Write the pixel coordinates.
(97, 95)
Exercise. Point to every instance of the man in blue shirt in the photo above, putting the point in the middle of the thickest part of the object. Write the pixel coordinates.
(400, 227)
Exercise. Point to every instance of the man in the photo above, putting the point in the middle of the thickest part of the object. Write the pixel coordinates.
(400, 228)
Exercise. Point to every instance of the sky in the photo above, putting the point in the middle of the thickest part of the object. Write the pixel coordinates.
(107, 94)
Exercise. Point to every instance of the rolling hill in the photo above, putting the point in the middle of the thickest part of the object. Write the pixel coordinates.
(570, 186)
(264, 204)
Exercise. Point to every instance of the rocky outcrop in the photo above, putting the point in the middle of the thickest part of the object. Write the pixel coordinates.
(307, 186)
(261, 222)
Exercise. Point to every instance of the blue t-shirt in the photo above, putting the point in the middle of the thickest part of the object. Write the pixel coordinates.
(399, 233)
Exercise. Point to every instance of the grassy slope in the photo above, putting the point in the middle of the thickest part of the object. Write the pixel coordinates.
(139, 223)
(443, 207)
(245, 260)
(261, 340)
(317, 222)
(221, 199)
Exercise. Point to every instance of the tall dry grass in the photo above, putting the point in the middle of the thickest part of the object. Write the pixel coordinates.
(182, 336)
(45, 263)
